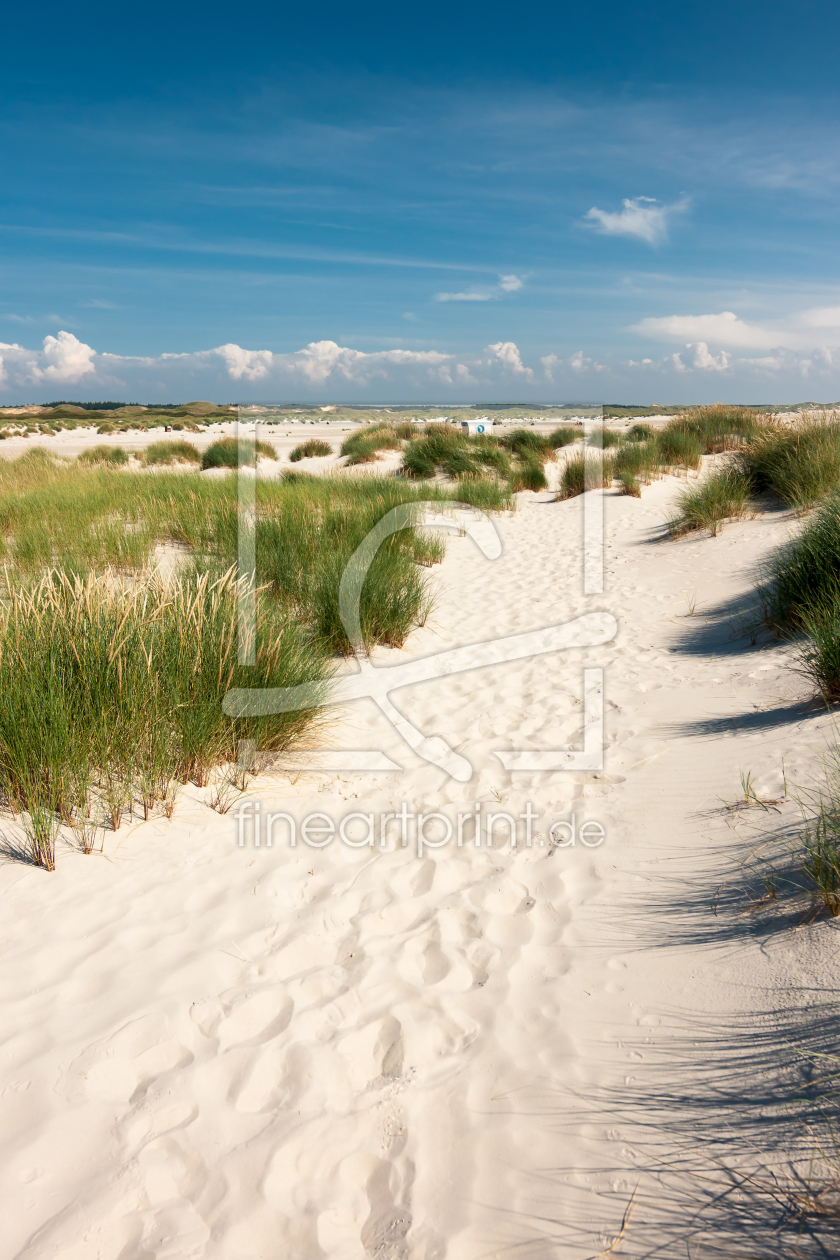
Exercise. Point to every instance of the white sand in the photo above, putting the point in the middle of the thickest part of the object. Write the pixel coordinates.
(242, 1053)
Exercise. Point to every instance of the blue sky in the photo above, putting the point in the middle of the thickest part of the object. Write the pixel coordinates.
(618, 203)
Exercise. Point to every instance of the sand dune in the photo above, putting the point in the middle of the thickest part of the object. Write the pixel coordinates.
(227, 1051)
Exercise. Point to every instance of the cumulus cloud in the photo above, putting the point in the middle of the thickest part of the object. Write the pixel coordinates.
(319, 366)
(578, 362)
(64, 359)
(549, 363)
(709, 362)
(253, 365)
(642, 217)
(474, 295)
(724, 328)
(807, 330)
(507, 354)
(485, 293)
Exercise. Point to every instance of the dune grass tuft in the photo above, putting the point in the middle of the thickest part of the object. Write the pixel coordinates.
(679, 448)
(801, 581)
(630, 484)
(528, 476)
(112, 692)
(363, 447)
(457, 454)
(313, 448)
(528, 444)
(171, 453)
(799, 463)
(565, 435)
(585, 472)
(113, 455)
(717, 428)
(639, 461)
(605, 438)
(229, 452)
(640, 433)
(720, 497)
(113, 678)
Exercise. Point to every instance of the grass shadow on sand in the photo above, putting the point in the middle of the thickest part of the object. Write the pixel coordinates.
(782, 715)
(732, 1134)
(724, 1125)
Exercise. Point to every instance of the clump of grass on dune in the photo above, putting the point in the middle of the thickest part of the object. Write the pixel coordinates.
(720, 497)
(231, 452)
(565, 435)
(801, 580)
(113, 680)
(113, 455)
(454, 453)
(528, 476)
(679, 448)
(717, 429)
(640, 433)
(307, 534)
(85, 520)
(800, 592)
(529, 445)
(112, 693)
(604, 438)
(363, 447)
(313, 448)
(630, 484)
(406, 431)
(171, 453)
(586, 472)
(638, 462)
(799, 463)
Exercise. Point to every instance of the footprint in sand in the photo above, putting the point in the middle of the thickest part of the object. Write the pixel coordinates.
(255, 1019)
(123, 1066)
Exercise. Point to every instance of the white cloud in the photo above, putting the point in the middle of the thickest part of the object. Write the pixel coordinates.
(724, 328)
(65, 359)
(507, 354)
(580, 363)
(647, 222)
(485, 293)
(252, 364)
(321, 365)
(485, 296)
(549, 362)
(710, 362)
(821, 317)
(811, 330)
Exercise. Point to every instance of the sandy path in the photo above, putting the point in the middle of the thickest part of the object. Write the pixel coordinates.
(221, 1051)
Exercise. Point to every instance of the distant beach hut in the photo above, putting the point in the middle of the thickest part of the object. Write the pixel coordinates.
(480, 425)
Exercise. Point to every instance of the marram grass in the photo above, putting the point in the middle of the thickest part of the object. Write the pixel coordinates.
(313, 448)
(722, 496)
(112, 693)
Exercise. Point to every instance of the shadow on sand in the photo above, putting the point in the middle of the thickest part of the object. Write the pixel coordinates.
(726, 1122)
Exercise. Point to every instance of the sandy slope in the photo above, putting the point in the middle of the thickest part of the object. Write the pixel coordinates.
(236, 1053)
